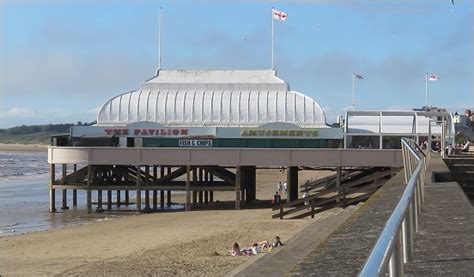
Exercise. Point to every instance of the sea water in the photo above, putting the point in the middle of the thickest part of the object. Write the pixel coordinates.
(24, 197)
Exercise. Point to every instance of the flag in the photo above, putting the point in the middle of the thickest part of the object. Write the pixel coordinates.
(358, 76)
(279, 15)
(433, 78)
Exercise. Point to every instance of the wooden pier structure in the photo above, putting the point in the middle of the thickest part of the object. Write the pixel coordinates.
(196, 172)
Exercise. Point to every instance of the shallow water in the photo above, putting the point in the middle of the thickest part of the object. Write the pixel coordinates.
(24, 197)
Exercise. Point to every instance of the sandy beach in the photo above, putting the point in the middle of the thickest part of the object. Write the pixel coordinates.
(23, 147)
(175, 243)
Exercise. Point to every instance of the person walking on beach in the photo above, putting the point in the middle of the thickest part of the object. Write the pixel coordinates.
(276, 199)
(279, 187)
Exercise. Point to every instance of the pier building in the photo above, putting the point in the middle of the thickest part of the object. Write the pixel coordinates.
(202, 131)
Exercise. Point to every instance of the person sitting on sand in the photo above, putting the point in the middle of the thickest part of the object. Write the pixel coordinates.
(235, 250)
(255, 249)
(265, 245)
(277, 242)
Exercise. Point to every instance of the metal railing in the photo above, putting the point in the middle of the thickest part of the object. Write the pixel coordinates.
(394, 247)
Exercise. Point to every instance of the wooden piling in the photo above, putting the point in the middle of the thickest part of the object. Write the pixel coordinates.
(193, 185)
(63, 182)
(127, 197)
(89, 192)
(200, 179)
(206, 193)
(162, 192)
(118, 198)
(211, 193)
(109, 200)
(99, 202)
(187, 205)
(155, 200)
(168, 194)
(52, 192)
(74, 191)
(139, 192)
(238, 181)
(338, 184)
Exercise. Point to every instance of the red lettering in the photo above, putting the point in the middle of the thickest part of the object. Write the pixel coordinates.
(163, 132)
(184, 132)
(125, 132)
(145, 132)
(175, 132)
(108, 131)
(117, 132)
(151, 131)
(168, 132)
(136, 132)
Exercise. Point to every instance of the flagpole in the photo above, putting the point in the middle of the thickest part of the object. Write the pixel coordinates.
(426, 91)
(159, 40)
(353, 90)
(272, 37)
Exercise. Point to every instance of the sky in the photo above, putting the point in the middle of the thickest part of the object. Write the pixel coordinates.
(60, 60)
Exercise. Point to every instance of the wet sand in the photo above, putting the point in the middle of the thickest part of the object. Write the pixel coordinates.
(23, 147)
(174, 243)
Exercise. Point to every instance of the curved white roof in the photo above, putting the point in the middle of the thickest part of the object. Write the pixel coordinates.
(229, 98)
(212, 108)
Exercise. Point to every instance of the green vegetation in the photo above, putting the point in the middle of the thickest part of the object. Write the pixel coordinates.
(36, 134)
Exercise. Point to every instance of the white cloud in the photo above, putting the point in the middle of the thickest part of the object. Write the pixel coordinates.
(19, 112)
(94, 110)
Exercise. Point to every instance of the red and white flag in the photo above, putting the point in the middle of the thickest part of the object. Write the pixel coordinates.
(433, 78)
(279, 15)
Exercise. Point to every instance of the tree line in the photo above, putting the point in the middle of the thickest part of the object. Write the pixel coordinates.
(46, 128)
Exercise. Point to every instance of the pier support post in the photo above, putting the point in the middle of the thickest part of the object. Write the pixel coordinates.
(99, 202)
(292, 180)
(155, 192)
(238, 186)
(168, 193)
(109, 200)
(118, 198)
(194, 185)
(206, 193)
(147, 201)
(147, 192)
(187, 205)
(155, 200)
(52, 191)
(63, 182)
(200, 179)
(338, 184)
(89, 192)
(127, 197)
(162, 192)
(139, 192)
(74, 191)
(74, 197)
(211, 193)
(250, 181)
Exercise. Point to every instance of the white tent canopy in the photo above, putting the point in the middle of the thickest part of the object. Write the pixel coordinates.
(213, 98)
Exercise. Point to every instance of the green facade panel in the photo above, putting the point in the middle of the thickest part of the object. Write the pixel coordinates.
(243, 142)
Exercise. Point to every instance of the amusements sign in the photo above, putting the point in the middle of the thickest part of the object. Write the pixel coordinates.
(195, 143)
(278, 133)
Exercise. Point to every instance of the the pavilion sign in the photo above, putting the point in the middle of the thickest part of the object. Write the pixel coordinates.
(146, 132)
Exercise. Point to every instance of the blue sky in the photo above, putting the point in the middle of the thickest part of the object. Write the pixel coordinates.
(62, 59)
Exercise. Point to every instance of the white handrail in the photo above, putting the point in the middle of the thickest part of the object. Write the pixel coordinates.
(395, 244)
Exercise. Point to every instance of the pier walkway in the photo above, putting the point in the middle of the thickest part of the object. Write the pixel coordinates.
(444, 245)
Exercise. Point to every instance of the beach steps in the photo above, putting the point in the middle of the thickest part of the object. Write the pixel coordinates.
(357, 186)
